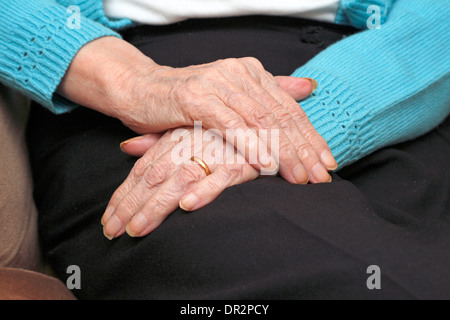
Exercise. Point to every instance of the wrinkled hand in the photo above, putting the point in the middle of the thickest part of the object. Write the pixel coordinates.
(234, 94)
(113, 77)
(158, 185)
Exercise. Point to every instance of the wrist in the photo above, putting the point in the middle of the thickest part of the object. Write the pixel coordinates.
(103, 74)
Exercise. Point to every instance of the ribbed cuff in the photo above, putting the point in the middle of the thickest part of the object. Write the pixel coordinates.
(338, 114)
(38, 47)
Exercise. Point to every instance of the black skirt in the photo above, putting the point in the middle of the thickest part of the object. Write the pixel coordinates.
(380, 230)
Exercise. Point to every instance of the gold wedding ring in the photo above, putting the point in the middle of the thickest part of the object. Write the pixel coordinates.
(202, 164)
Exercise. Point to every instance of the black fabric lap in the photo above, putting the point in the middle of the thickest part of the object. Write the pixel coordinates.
(266, 239)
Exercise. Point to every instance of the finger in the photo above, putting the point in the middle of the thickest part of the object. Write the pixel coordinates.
(250, 101)
(211, 108)
(281, 134)
(312, 136)
(316, 140)
(138, 146)
(262, 111)
(297, 88)
(240, 133)
(290, 164)
(309, 156)
(210, 187)
(311, 147)
(289, 84)
(144, 180)
(165, 200)
(161, 147)
(235, 171)
(133, 201)
(292, 167)
(119, 193)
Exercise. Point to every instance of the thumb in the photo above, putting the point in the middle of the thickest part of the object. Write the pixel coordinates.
(298, 88)
(139, 145)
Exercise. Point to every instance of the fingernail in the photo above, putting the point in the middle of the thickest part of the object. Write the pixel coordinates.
(268, 162)
(108, 212)
(265, 159)
(137, 225)
(128, 141)
(106, 235)
(314, 84)
(300, 174)
(189, 202)
(320, 173)
(328, 159)
(112, 227)
(129, 232)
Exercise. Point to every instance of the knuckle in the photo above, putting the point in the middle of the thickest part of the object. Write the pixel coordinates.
(128, 207)
(234, 171)
(161, 201)
(139, 168)
(191, 172)
(226, 61)
(286, 151)
(262, 118)
(234, 97)
(224, 177)
(211, 74)
(213, 185)
(300, 116)
(313, 136)
(284, 119)
(253, 62)
(270, 81)
(304, 150)
(156, 175)
(232, 63)
(287, 101)
(229, 121)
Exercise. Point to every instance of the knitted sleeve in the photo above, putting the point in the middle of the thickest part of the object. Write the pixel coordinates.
(382, 86)
(38, 40)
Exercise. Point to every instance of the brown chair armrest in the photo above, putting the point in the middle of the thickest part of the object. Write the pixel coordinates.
(21, 284)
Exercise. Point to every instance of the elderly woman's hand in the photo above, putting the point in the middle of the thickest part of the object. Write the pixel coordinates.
(113, 77)
(165, 178)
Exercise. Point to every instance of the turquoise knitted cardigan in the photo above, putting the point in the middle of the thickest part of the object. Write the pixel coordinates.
(378, 87)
